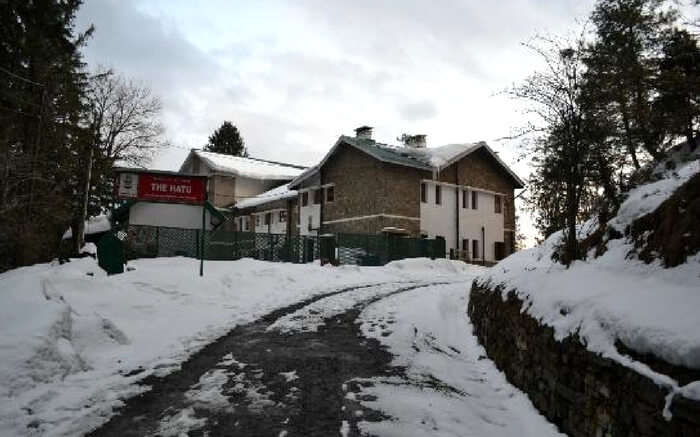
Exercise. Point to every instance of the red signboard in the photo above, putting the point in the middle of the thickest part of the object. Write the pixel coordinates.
(171, 188)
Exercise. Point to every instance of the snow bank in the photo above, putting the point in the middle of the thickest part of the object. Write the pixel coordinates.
(615, 296)
(73, 341)
(93, 225)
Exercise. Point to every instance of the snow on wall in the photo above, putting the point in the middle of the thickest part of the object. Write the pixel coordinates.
(93, 225)
(649, 308)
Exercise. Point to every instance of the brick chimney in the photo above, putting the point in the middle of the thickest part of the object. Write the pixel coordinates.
(416, 141)
(364, 132)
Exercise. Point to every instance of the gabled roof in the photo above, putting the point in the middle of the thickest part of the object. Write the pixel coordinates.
(246, 167)
(279, 193)
(429, 159)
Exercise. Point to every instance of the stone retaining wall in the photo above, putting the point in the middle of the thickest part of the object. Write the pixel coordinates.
(579, 391)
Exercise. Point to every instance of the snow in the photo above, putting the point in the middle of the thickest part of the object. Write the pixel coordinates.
(649, 308)
(249, 167)
(93, 225)
(279, 193)
(453, 390)
(74, 342)
(646, 198)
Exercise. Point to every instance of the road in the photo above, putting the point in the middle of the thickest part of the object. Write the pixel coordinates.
(384, 359)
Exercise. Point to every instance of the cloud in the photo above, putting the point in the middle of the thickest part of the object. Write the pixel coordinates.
(294, 75)
(421, 110)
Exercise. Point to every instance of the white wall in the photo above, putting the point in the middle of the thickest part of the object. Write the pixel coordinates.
(440, 220)
(171, 215)
(471, 221)
(309, 211)
(276, 226)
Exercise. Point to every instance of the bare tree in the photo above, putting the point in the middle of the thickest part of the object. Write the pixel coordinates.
(124, 115)
(123, 118)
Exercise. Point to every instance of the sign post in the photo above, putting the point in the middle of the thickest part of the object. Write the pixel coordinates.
(201, 238)
(165, 187)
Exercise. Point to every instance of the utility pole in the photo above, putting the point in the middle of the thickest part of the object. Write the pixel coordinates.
(86, 198)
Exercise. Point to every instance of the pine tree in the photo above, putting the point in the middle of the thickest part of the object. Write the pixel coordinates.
(227, 140)
(41, 103)
(677, 106)
(621, 66)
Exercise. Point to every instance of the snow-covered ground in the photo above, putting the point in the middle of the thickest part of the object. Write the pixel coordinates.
(74, 342)
(649, 308)
(452, 389)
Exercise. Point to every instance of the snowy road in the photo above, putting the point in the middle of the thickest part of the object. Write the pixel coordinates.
(388, 359)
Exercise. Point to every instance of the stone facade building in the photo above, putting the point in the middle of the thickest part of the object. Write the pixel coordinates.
(463, 193)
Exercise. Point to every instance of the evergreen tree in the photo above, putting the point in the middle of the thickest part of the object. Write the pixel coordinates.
(677, 106)
(227, 140)
(41, 104)
(621, 67)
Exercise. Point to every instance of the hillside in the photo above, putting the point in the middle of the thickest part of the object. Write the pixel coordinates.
(635, 297)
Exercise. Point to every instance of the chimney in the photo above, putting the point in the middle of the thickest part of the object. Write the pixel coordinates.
(416, 141)
(364, 132)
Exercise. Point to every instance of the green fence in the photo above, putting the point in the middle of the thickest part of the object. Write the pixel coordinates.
(358, 249)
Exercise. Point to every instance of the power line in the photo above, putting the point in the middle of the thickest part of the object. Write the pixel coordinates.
(21, 78)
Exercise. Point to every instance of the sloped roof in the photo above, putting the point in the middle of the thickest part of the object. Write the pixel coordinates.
(246, 167)
(279, 193)
(429, 159)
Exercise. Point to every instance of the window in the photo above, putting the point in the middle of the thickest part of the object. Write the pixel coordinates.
(465, 244)
(423, 193)
(465, 199)
(499, 249)
(246, 223)
(283, 216)
(497, 203)
(268, 219)
(318, 195)
(475, 249)
(257, 220)
(304, 198)
(438, 194)
(330, 194)
(311, 223)
(475, 200)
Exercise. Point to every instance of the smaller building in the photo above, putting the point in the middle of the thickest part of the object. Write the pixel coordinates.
(236, 178)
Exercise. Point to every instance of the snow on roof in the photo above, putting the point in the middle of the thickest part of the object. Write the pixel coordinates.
(279, 193)
(249, 167)
(434, 158)
(93, 225)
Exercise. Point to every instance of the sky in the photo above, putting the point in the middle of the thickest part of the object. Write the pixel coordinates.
(293, 76)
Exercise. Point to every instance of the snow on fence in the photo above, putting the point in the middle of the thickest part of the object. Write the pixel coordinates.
(341, 248)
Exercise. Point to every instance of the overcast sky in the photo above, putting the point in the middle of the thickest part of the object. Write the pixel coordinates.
(293, 76)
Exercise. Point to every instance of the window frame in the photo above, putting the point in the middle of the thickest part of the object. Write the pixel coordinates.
(282, 216)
